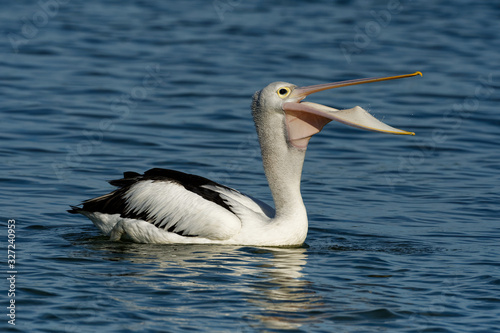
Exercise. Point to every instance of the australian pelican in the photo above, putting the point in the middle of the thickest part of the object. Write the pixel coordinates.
(167, 206)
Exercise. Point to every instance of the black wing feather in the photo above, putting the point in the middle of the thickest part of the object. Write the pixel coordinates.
(115, 202)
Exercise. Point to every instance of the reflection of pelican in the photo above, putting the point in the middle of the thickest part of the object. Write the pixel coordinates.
(281, 295)
(259, 287)
(166, 206)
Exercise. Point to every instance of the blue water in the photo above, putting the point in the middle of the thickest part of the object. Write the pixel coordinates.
(404, 231)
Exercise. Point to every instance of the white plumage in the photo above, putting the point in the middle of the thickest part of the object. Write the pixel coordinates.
(147, 196)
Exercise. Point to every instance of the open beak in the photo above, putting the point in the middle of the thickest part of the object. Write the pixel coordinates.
(304, 119)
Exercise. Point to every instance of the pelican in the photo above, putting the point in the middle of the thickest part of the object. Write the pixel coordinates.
(167, 206)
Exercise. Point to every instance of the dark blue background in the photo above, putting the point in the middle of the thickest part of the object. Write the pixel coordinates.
(404, 231)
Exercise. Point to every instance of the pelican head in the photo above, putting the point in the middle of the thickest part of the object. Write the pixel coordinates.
(283, 103)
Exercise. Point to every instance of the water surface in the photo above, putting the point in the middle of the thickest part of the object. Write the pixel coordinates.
(404, 231)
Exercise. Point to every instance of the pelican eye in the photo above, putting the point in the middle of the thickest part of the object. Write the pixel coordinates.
(283, 92)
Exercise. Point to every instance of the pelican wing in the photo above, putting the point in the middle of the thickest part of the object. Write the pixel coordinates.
(185, 204)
